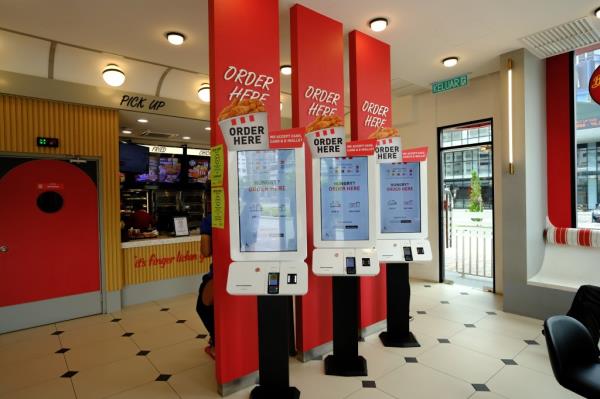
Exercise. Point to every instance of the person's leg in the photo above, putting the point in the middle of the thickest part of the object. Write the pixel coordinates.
(206, 314)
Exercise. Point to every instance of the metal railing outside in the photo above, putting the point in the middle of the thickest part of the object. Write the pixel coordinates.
(471, 252)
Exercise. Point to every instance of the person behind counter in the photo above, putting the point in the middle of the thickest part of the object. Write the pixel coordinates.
(205, 304)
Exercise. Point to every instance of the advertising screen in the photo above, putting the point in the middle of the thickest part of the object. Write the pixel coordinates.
(198, 169)
(400, 197)
(267, 201)
(344, 199)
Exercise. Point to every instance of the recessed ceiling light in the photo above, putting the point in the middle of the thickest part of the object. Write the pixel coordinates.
(113, 76)
(142, 120)
(597, 12)
(186, 137)
(126, 131)
(207, 128)
(450, 62)
(175, 38)
(285, 70)
(281, 105)
(378, 24)
(204, 93)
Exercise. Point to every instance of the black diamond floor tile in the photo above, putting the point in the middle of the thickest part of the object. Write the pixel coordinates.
(164, 309)
(63, 350)
(492, 313)
(480, 387)
(116, 320)
(411, 360)
(444, 302)
(464, 293)
(531, 342)
(509, 362)
(69, 374)
(421, 312)
(127, 334)
(201, 336)
(163, 377)
(57, 332)
(443, 340)
(369, 384)
(181, 321)
(470, 325)
(142, 353)
(427, 286)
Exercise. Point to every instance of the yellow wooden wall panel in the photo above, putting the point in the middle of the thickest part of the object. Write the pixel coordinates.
(161, 262)
(82, 130)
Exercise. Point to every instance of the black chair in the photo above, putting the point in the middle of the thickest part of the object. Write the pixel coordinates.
(573, 356)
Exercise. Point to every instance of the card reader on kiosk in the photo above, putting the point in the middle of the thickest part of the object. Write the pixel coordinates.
(344, 225)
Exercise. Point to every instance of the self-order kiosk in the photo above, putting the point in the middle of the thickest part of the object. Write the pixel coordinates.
(267, 209)
(344, 217)
(401, 239)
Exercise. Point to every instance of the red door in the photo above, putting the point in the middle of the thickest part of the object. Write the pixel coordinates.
(49, 240)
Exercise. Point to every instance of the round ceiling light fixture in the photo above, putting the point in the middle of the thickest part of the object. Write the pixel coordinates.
(113, 75)
(204, 93)
(285, 70)
(175, 38)
(450, 62)
(378, 24)
(126, 131)
(207, 128)
(597, 12)
(142, 120)
(186, 138)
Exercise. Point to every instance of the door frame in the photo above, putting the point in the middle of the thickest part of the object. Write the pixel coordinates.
(99, 192)
(442, 270)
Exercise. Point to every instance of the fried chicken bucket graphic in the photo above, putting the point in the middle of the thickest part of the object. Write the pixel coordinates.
(326, 137)
(244, 125)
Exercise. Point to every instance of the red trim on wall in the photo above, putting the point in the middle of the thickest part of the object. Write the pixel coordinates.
(559, 120)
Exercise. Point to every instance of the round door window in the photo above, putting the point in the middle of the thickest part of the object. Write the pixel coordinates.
(50, 202)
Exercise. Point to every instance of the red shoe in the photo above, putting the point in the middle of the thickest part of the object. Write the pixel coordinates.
(210, 351)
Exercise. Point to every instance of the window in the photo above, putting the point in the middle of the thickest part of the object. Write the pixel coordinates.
(587, 139)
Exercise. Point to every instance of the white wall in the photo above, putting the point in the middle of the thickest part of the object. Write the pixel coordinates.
(418, 117)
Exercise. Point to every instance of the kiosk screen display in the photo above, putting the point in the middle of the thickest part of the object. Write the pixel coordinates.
(267, 201)
(344, 199)
(400, 197)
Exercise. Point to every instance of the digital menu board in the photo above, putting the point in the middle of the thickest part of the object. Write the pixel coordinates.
(400, 185)
(267, 201)
(344, 199)
(198, 170)
(161, 169)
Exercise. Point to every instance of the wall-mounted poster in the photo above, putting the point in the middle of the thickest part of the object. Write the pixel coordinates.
(400, 197)
(267, 201)
(344, 199)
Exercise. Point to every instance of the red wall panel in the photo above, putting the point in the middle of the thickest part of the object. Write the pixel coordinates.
(560, 158)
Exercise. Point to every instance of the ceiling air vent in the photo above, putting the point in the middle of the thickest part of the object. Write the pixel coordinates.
(157, 135)
(563, 38)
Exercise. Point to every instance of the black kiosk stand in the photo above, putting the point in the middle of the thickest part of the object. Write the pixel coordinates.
(273, 350)
(398, 333)
(345, 360)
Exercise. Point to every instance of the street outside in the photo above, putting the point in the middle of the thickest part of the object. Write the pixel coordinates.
(584, 220)
(471, 250)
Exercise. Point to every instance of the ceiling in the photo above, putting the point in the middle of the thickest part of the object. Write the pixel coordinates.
(176, 128)
(421, 33)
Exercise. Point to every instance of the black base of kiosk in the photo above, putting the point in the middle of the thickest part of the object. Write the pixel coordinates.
(345, 360)
(273, 350)
(398, 333)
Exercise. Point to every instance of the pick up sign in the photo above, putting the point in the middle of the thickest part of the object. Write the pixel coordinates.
(389, 150)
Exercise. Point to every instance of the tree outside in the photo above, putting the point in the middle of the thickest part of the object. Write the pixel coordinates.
(475, 198)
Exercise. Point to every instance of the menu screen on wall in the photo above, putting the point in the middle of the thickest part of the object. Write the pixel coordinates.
(344, 199)
(400, 197)
(267, 201)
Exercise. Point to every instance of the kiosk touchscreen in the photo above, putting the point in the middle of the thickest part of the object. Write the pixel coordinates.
(344, 225)
(266, 208)
(402, 212)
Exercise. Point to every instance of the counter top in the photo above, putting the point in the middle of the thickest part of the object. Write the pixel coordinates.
(161, 240)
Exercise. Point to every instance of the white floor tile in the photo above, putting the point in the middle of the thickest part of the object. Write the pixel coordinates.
(379, 361)
(313, 383)
(535, 357)
(416, 381)
(461, 363)
(457, 313)
(435, 326)
(489, 343)
(516, 382)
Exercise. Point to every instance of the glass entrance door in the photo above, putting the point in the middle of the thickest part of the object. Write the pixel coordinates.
(466, 190)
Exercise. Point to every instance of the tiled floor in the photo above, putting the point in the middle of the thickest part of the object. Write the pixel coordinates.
(469, 349)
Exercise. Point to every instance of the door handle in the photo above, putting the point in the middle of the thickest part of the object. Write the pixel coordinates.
(3, 249)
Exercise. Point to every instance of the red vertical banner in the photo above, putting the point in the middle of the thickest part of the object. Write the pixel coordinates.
(371, 109)
(244, 78)
(317, 99)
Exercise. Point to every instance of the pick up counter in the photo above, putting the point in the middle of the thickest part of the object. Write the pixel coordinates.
(161, 267)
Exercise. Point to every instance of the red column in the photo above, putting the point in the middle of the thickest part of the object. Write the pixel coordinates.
(370, 107)
(244, 55)
(317, 88)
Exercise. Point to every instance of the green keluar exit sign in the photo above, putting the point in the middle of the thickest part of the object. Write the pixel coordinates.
(450, 84)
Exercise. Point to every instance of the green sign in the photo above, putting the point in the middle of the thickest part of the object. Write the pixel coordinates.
(450, 84)
(217, 165)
